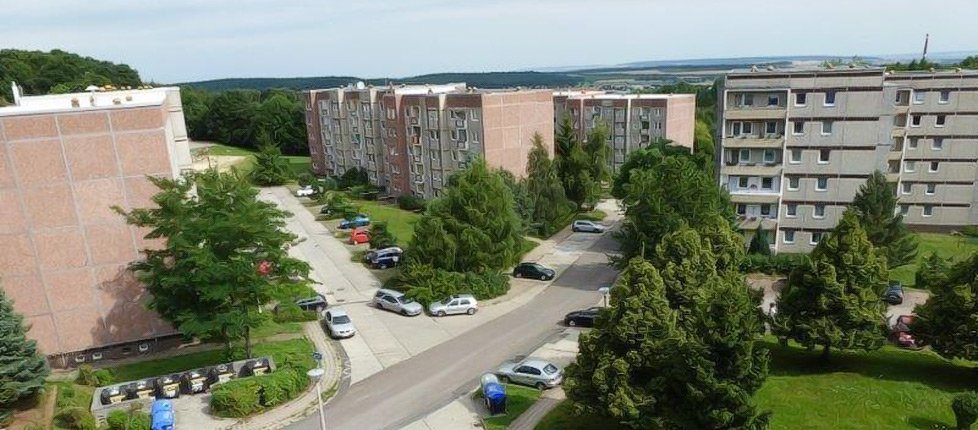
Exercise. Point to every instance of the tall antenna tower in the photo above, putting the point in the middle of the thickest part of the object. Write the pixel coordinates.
(926, 42)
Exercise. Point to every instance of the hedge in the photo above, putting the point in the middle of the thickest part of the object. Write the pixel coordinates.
(411, 203)
(131, 420)
(778, 264)
(426, 284)
(291, 313)
(240, 397)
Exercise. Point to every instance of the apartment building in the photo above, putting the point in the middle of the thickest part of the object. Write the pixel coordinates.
(411, 138)
(64, 161)
(796, 145)
(633, 120)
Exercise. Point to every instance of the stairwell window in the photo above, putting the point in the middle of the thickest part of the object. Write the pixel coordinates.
(928, 210)
(801, 99)
(821, 183)
(793, 183)
(798, 127)
(912, 143)
(934, 166)
(789, 236)
(945, 97)
(791, 210)
(906, 188)
(909, 166)
(816, 238)
(931, 189)
(819, 211)
(915, 120)
(941, 121)
(937, 144)
(826, 128)
(830, 98)
(823, 156)
(904, 210)
(919, 97)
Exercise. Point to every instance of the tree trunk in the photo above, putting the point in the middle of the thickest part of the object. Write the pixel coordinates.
(227, 341)
(825, 353)
(247, 336)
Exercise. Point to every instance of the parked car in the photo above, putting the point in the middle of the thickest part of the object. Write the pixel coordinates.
(305, 191)
(531, 371)
(454, 305)
(588, 226)
(338, 323)
(359, 221)
(894, 293)
(582, 318)
(396, 301)
(359, 235)
(534, 271)
(316, 303)
(900, 332)
(384, 257)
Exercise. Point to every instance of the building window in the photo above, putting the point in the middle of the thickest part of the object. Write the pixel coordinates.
(907, 188)
(742, 128)
(744, 100)
(826, 128)
(931, 189)
(791, 210)
(801, 99)
(945, 97)
(904, 210)
(816, 237)
(913, 143)
(937, 144)
(772, 127)
(919, 97)
(741, 209)
(769, 156)
(830, 98)
(928, 210)
(766, 210)
(742, 182)
(789, 236)
(773, 100)
(941, 120)
(821, 183)
(767, 183)
(793, 183)
(934, 165)
(915, 120)
(819, 211)
(744, 155)
(823, 156)
(909, 166)
(795, 156)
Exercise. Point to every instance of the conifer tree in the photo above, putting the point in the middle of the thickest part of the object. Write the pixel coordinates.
(833, 301)
(876, 205)
(549, 205)
(759, 243)
(22, 366)
(946, 322)
(270, 168)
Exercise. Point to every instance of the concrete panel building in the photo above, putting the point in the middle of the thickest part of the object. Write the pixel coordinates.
(633, 120)
(796, 145)
(411, 138)
(64, 161)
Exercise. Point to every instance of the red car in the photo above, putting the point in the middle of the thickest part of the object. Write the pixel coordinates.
(900, 333)
(358, 236)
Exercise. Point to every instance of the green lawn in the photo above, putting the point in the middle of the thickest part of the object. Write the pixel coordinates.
(518, 400)
(563, 418)
(221, 150)
(889, 389)
(399, 221)
(945, 245)
(298, 164)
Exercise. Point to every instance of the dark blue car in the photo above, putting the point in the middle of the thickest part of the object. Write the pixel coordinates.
(359, 221)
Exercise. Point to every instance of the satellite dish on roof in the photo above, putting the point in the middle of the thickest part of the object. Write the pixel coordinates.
(91, 88)
(360, 85)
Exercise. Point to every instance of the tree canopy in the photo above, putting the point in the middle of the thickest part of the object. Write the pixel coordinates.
(239, 117)
(225, 256)
(946, 322)
(22, 366)
(834, 299)
(57, 71)
(643, 159)
(549, 204)
(574, 165)
(876, 205)
(270, 167)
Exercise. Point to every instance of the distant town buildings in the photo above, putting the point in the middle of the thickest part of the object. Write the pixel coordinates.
(64, 161)
(796, 145)
(411, 138)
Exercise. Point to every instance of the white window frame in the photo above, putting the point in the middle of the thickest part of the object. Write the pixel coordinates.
(784, 236)
(919, 97)
(830, 126)
(743, 180)
(776, 98)
(770, 179)
(934, 166)
(825, 101)
(767, 127)
(792, 159)
(906, 189)
(804, 99)
(931, 189)
(904, 210)
(940, 120)
(740, 155)
(927, 211)
(797, 183)
(815, 211)
(740, 99)
(791, 210)
(935, 146)
(824, 151)
(812, 240)
(774, 156)
(794, 128)
(826, 183)
(945, 97)
(916, 120)
(913, 142)
(909, 166)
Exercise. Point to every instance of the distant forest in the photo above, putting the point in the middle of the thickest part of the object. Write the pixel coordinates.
(480, 80)
(59, 72)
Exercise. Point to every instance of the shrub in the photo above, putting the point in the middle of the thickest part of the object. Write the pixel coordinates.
(77, 418)
(780, 264)
(410, 202)
(971, 230)
(240, 397)
(424, 283)
(134, 419)
(95, 378)
(965, 407)
(381, 236)
(352, 177)
(288, 312)
(36, 426)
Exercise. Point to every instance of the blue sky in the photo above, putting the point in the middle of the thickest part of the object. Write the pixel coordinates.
(180, 40)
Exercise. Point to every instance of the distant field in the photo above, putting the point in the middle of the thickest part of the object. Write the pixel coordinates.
(945, 245)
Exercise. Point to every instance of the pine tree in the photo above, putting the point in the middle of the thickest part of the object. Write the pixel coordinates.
(834, 299)
(226, 255)
(946, 322)
(270, 167)
(876, 204)
(381, 236)
(932, 272)
(573, 164)
(22, 367)
(759, 244)
(550, 205)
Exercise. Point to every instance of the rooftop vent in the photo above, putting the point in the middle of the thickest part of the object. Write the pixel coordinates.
(753, 68)
(852, 65)
(770, 67)
(75, 103)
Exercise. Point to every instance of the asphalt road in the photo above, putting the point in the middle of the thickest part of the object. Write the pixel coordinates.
(410, 390)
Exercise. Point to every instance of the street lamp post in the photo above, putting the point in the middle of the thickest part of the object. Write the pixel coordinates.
(317, 375)
(605, 292)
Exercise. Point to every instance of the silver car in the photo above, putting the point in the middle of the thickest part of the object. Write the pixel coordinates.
(455, 305)
(531, 371)
(588, 226)
(396, 301)
(338, 323)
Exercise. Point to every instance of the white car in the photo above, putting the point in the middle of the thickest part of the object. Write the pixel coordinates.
(531, 371)
(454, 305)
(338, 323)
(305, 191)
(588, 226)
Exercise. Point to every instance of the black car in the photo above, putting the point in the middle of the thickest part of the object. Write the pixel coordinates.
(533, 271)
(315, 303)
(582, 318)
(894, 293)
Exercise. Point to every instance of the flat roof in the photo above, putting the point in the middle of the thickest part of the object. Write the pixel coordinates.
(87, 101)
(618, 96)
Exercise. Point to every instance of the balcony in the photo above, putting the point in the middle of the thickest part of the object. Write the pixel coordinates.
(756, 113)
(746, 222)
(772, 141)
(748, 170)
(754, 196)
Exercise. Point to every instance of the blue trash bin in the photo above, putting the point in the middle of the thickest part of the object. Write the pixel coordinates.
(494, 394)
(162, 415)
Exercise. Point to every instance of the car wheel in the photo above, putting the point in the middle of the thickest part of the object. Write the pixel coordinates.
(575, 230)
(404, 312)
(572, 323)
(503, 380)
(441, 313)
(383, 266)
(517, 275)
(541, 386)
(471, 311)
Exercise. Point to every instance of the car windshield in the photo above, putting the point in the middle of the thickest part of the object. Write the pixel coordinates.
(550, 369)
(405, 300)
(341, 319)
(446, 301)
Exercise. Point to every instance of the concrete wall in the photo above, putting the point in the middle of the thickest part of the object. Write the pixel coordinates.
(510, 121)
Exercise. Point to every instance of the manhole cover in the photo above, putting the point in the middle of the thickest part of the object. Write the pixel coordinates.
(340, 300)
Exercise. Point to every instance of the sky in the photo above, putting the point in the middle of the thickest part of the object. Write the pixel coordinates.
(170, 41)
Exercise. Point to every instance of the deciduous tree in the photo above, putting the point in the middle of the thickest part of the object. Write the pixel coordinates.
(573, 164)
(225, 255)
(876, 205)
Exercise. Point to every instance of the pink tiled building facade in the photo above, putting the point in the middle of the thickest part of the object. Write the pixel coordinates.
(65, 160)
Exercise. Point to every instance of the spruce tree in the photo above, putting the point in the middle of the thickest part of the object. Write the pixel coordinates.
(946, 322)
(834, 299)
(759, 243)
(573, 164)
(270, 167)
(22, 367)
(550, 205)
(876, 204)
